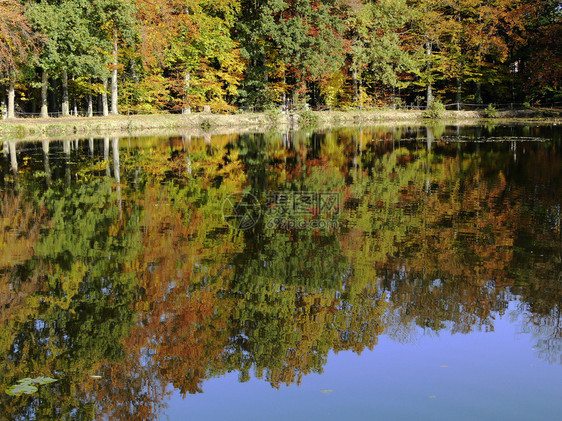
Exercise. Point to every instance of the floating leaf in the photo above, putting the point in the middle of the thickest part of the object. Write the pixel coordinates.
(21, 388)
(27, 385)
(326, 390)
(43, 380)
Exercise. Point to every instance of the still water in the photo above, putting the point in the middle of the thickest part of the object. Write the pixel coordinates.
(366, 273)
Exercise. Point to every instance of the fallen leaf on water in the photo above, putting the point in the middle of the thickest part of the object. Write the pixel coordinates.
(326, 390)
(432, 397)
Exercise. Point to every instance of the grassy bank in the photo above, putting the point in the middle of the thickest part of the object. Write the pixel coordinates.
(201, 123)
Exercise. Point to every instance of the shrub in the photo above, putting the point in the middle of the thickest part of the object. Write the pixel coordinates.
(206, 125)
(490, 112)
(435, 110)
(273, 114)
(307, 118)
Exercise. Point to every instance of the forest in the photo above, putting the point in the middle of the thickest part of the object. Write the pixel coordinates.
(100, 57)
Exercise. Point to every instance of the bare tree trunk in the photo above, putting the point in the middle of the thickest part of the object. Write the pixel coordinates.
(104, 98)
(11, 99)
(114, 109)
(4, 108)
(44, 87)
(64, 105)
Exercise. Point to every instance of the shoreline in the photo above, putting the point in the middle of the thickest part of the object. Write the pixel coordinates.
(207, 123)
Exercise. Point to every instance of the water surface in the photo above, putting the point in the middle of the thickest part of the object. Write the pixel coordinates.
(366, 273)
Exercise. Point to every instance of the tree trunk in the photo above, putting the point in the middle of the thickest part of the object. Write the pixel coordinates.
(74, 98)
(11, 99)
(105, 109)
(54, 97)
(355, 86)
(4, 108)
(44, 90)
(114, 109)
(478, 95)
(186, 108)
(429, 95)
(90, 106)
(64, 105)
(459, 93)
(360, 87)
(134, 73)
(285, 105)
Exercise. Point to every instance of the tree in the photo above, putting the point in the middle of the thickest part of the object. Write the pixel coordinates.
(114, 24)
(380, 47)
(302, 38)
(18, 43)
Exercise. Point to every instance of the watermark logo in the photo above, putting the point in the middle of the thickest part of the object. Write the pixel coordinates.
(302, 210)
(288, 210)
(241, 210)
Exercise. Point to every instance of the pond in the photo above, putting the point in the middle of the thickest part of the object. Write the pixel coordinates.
(389, 272)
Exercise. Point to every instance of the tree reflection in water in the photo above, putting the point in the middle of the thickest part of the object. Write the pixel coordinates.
(116, 261)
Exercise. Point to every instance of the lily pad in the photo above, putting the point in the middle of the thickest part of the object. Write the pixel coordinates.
(27, 385)
(21, 389)
(43, 380)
